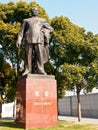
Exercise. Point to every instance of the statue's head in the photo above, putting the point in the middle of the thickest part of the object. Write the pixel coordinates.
(34, 11)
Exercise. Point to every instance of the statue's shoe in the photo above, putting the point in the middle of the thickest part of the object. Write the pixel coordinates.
(25, 72)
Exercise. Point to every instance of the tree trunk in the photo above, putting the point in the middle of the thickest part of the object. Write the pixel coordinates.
(78, 105)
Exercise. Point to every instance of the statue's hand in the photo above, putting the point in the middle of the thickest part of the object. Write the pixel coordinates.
(18, 44)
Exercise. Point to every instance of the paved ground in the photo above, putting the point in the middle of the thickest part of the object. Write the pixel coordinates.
(75, 119)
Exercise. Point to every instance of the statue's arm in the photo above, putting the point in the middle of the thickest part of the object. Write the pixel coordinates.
(47, 26)
(20, 34)
(47, 29)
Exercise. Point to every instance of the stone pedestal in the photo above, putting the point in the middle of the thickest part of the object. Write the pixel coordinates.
(36, 101)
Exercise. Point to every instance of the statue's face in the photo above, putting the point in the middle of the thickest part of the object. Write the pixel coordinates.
(34, 12)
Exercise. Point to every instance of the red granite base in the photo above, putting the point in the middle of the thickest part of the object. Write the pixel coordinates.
(36, 101)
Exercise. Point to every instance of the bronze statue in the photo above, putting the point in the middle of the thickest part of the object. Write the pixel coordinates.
(35, 33)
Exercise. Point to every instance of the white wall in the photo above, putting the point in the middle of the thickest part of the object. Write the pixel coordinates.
(89, 105)
(8, 110)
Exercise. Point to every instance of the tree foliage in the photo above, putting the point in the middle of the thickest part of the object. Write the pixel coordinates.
(73, 52)
(72, 49)
(7, 80)
(74, 55)
(11, 17)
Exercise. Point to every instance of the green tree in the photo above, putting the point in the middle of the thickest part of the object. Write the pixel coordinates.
(1, 78)
(11, 16)
(7, 80)
(9, 85)
(73, 53)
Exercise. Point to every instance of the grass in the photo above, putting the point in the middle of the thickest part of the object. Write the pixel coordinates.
(62, 125)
